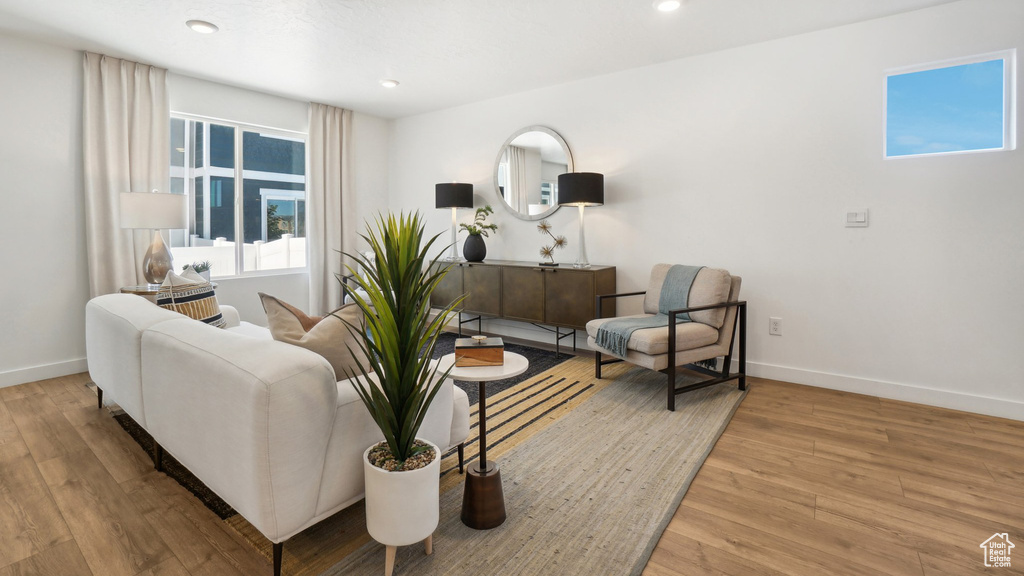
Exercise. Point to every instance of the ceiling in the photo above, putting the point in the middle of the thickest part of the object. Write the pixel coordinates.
(444, 52)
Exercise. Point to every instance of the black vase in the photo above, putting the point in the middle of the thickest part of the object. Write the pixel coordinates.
(474, 250)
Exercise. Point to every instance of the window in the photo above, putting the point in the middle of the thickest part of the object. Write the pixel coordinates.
(965, 105)
(247, 196)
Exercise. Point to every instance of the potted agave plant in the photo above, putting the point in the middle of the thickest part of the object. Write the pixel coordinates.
(398, 381)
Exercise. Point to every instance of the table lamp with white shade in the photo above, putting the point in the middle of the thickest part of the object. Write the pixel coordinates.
(156, 212)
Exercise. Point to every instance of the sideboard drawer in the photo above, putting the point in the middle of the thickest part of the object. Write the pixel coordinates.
(522, 294)
(565, 296)
(483, 288)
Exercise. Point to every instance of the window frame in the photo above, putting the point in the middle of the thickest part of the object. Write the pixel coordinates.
(239, 175)
(1009, 58)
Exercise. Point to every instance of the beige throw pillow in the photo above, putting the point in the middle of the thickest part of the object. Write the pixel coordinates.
(328, 337)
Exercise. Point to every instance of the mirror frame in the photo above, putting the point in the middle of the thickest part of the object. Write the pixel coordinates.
(501, 151)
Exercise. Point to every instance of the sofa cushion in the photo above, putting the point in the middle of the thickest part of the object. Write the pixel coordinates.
(653, 341)
(190, 294)
(330, 337)
(251, 330)
(711, 286)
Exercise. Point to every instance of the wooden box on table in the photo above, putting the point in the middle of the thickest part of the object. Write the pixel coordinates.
(479, 352)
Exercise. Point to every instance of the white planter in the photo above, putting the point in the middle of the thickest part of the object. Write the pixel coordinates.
(402, 508)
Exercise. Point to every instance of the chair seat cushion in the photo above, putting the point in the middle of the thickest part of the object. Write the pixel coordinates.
(689, 335)
(250, 330)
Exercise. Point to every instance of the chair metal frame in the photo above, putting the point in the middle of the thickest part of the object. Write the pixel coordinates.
(717, 377)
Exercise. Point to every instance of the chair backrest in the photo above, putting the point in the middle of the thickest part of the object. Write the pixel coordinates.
(729, 323)
(711, 286)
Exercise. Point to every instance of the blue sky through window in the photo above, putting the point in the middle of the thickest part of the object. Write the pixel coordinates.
(945, 109)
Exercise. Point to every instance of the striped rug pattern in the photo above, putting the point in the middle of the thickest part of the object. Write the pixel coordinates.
(589, 493)
(514, 415)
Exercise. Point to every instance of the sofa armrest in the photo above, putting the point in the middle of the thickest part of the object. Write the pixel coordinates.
(600, 297)
(673, 313)
(230, 315)
(114, 324)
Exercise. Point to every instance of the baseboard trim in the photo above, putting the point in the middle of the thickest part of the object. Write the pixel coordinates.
(1002, 408)
(36, 373)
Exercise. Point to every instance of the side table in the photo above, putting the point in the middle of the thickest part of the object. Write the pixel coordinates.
(483, 502)
(147, 291)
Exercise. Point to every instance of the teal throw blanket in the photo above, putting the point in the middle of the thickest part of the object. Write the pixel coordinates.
(675, 292)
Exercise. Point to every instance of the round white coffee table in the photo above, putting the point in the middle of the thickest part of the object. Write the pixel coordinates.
(483, 502)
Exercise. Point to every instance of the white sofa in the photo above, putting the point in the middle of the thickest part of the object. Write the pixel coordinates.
(263, 424)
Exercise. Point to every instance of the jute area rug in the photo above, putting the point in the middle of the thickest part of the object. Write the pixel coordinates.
(588, 494)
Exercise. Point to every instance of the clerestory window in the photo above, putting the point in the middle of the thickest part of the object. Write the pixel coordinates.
(964, 105)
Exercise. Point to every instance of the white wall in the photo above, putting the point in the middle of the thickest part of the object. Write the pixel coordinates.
(747, 159)
(42, 319)
(370, 149)
(43, 295)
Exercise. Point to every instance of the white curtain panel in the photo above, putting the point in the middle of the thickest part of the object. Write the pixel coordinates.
(517, 196)
(331, 213)
(126, 148)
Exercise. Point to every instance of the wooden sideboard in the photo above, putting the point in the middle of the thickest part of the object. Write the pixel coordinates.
(560, 296)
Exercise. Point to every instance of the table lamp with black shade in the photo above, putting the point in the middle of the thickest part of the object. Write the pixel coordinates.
(453, 195)
(581, 189)
(156, 212)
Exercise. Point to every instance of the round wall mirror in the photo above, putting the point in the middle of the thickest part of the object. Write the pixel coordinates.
(526, 172)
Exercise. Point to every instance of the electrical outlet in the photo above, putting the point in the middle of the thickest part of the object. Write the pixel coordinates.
(775, 326)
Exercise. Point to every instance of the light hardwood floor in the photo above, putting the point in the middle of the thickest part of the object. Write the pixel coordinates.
(803, 481)
(813, 481)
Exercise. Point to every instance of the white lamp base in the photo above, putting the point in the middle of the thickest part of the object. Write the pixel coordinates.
(581, 260)
(453, 254)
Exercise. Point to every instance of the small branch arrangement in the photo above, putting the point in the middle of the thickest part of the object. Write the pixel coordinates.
(558, 242)
(201, 266)
(479, 227)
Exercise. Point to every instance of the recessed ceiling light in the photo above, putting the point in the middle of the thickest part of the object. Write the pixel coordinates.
(388, 83)
(202, 26)
(667, 5)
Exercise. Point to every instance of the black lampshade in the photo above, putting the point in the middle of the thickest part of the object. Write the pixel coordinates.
(581, 189)
(453, 195)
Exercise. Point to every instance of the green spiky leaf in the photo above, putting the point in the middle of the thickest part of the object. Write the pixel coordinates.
(398, 381)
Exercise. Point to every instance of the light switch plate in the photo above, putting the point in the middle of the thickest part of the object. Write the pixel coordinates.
(856, 218)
